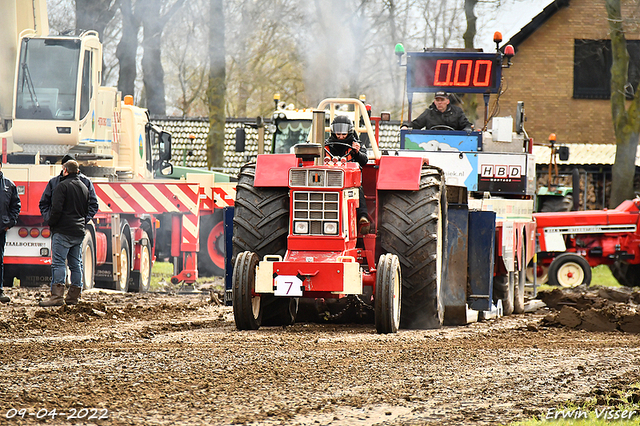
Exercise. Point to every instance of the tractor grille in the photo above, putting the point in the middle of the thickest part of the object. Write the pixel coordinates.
(316, 178)
(319, 210)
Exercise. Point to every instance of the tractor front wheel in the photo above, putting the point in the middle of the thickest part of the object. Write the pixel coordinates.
(387, 294)
(569, 270)
(247, 309)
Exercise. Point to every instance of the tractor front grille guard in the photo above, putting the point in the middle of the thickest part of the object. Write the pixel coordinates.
(316, 213)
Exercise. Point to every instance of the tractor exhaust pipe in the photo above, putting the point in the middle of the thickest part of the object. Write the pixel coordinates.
(317, 133)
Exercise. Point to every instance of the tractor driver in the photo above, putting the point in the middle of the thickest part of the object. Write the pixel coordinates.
(343, 142)
(442, 115)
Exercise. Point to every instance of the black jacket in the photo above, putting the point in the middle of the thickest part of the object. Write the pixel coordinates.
(9, 203)
(453, 117)
(338, 150)
(69, 206)
(45, 199)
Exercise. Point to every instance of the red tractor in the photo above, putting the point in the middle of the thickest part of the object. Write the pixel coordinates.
(295, 232)
(572, 243)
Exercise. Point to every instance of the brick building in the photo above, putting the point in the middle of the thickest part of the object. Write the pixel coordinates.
(561, 71)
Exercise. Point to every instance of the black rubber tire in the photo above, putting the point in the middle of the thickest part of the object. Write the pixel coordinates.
(122, 284)
(627, 274)
(278, 311)
(387, 300)
(261, 217)
(503, 289)
(557, 204)
(412, 227)
(518, 292)
(519, 283)
(557, 270)
(211, 254)
(261, 226)
(247, 308)
(141, 280)
(88, 254)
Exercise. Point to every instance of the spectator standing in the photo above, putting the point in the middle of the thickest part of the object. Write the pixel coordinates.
(9, 211)
(68, 217)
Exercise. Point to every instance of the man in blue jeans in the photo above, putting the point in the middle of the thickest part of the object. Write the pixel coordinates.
(69, 212)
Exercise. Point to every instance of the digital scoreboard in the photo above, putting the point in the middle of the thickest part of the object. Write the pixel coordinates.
(466, 72)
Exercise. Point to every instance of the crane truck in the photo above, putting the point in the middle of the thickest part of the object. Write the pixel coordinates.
(52, 104)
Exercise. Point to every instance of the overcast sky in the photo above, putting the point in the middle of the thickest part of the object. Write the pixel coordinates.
(511, 17)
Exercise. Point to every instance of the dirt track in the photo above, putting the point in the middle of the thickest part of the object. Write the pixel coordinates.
(160, 359)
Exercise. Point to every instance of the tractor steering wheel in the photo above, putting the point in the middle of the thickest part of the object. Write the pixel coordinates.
(332, 143)
(441, 127)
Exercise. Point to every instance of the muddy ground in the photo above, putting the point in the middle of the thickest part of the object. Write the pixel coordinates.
(165, 359)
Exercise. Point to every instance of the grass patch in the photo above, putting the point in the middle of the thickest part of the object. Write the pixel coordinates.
(162, 272)
(600, 275)
(603, 409)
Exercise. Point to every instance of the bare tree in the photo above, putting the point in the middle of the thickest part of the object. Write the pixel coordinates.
(127, 48)
(95, 14)
(626, 122)
(216, 89)
(155, 17)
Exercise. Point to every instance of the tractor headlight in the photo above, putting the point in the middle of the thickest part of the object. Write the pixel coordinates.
(331, 228)
(300, 227)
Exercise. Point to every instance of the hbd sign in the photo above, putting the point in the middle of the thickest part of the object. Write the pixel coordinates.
(495, 171)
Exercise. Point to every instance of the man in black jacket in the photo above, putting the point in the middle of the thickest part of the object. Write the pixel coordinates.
(442, 113)
(45, 199)
(69, 212)
(9, 211)
(343, 143)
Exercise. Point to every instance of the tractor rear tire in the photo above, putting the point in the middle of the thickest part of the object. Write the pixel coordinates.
(519, 282)
(627, 274)
(261, 226)
(569, 270)
(412, 225)
(518, 292)
(557, 204)
(247, 307)
(387, 294)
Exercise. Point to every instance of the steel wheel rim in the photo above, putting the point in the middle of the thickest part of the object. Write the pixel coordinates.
(88, 267)
(396, 298)
(145, 267)
(570, 275)
(255, 306)
(124, 268)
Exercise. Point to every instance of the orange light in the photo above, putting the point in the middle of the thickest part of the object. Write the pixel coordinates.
(35, 232)
(497, 37)
(552, 137)
(128, 100)
(23, 232)
(46, 233)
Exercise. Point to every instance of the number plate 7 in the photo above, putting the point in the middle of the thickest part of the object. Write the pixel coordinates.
(288, 285)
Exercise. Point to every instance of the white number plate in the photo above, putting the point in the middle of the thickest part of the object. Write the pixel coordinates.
(288, 285)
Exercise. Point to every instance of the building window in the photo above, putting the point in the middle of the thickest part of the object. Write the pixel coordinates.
(592, 69)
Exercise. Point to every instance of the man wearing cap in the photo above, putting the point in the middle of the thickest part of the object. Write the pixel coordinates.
(442, 113)
(9, 211)
(45, 199)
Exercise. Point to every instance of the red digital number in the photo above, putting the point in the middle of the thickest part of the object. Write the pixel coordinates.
(486, 78)
(447, 64)
(462, 71)
(457, 80)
